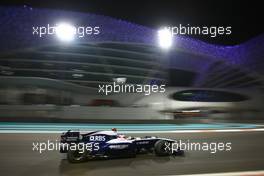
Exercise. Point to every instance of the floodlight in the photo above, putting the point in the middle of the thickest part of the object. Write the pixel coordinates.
(165, 38)
(65, 32)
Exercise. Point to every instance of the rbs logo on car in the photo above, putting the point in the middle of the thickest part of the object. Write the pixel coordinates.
(97, 138)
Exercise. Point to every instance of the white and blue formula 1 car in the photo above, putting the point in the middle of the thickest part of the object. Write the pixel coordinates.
(81, 147)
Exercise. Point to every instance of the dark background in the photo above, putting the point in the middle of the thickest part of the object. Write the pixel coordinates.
(245, 17)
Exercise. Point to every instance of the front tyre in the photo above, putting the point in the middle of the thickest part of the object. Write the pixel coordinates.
(179, 153)
(161, 148)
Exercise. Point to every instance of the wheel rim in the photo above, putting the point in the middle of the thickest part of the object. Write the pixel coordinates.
(77, 155)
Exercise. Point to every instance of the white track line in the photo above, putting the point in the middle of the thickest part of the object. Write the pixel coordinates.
(175, 131)
(244, 173)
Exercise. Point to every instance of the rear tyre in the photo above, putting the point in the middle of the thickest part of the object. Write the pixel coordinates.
(133, 154)
(76, 156)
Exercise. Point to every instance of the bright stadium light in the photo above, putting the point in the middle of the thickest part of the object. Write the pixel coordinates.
(65, 32)
(165, 38)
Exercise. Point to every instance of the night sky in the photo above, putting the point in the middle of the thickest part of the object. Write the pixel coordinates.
(245, 17)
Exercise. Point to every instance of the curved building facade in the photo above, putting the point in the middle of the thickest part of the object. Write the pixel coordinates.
(38, 69)
(213, 65)
(88, 64)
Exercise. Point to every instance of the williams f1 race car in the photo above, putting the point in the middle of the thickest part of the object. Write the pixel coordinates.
(81, 147)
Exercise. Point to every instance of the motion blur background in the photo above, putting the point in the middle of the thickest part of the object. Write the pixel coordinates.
(44, 79)
(214, 85)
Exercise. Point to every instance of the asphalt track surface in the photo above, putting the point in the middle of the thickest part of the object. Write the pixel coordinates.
(18, 158)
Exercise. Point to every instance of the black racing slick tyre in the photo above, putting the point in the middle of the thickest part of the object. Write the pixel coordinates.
(160, 148)
(76, 156)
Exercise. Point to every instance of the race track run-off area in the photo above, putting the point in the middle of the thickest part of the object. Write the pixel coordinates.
(246, 153)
